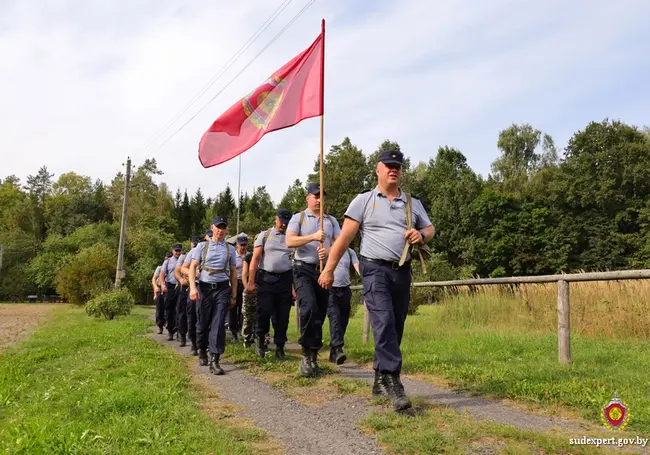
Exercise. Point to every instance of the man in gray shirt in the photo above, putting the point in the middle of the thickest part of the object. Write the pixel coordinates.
(270, 277)
(304, 234)
(338, 307)
(380, 215)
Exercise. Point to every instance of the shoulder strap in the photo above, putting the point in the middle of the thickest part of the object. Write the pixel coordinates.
(409, 223)
(205, 252)
(302, 217)
(266, 237)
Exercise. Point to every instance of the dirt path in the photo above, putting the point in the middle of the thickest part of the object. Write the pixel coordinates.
(327, 430)
(18, 320)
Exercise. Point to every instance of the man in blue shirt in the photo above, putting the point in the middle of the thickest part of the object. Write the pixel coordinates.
(170, 288)
(380, 215)
(218, 287)
(305, 235)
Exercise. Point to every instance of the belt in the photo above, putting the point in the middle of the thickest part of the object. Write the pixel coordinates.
(305, 264)
(392, 264)
(273, 273)
(218, 285)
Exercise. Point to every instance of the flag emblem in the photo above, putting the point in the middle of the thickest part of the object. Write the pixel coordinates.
(261, 104)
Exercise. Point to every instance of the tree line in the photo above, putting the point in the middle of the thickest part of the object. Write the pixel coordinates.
(535, 213)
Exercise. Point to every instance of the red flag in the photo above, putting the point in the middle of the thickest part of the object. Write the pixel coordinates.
(292, 94)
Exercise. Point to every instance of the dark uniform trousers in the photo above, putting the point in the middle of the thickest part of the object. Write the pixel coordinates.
(181, 309)
(338, 312)
(171, 297)
(274, 298)
(191, 310)
(312, 301)
(235, 314)
(160, 310)
(387, 293)
(211, 312)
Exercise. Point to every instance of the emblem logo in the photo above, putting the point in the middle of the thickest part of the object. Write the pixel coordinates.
(615, 414)
(261, 104)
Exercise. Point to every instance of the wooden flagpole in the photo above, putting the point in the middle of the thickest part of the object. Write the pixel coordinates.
(322, 124)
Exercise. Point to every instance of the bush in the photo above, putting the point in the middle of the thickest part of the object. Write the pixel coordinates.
(87, 274)
(111, 304)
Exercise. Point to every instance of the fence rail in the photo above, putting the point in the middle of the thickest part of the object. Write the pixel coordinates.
(563, 300)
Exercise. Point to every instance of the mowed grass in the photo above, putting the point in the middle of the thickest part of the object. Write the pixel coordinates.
(440, 430)
(505, 345)
(80, 385)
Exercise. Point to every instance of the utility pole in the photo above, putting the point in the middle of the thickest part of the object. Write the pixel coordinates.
(119, 274)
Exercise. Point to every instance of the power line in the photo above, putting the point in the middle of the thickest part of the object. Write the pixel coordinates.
(295, 18)
(222, 71)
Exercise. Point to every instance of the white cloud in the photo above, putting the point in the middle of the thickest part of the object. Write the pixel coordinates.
(84, 84)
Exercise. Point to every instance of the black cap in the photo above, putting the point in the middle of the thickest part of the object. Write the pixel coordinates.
(314, 188)
(391, 157)
(177, 247)
(196, 240)
(168, 255)
(284, 215)
(220, 220)
(242, 240)
(208, 232)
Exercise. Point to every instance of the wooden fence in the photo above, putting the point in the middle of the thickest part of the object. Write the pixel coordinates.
(563, 301)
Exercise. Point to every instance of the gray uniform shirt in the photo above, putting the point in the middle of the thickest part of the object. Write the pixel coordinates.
(275, 257)
(188, 258)
(239, 262)
(215, 259)
(383, 223)
(311, 224)
(156, 274)
(342, 270)
(168, 268)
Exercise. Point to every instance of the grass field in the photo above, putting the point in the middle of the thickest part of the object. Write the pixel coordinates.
(502, 345)
(85, 386)
(80, 385)
(505, 345)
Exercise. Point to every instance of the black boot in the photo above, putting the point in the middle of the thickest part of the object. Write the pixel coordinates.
(183, 341)
(248, 343)
(170, 335)
(314, 362)
(160, 330)
(203, 357)
(261, 347)
(235, 338)
(396, 391)
(279, 353)
(332, 355)
(306, 369)
(215, 368)
(339, 355)
(379, 388)
(194, 350)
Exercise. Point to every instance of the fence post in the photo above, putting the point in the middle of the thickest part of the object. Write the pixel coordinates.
(563, 322)
(366, 323)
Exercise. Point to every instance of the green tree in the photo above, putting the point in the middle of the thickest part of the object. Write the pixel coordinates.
(294, 198)
(344, 168)
(39, 187)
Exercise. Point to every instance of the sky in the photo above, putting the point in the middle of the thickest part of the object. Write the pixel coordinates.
(84, 84)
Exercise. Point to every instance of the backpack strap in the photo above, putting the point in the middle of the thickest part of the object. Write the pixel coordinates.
(210, 270)
(409, 226)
